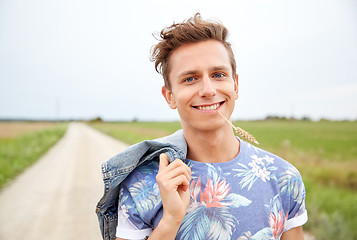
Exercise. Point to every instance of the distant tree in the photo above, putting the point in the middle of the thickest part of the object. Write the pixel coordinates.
(306, 118)
(97, 119)
(273, 117)
(324, 120)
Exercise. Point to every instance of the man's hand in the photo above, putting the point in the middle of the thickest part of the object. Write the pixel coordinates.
(174, 183)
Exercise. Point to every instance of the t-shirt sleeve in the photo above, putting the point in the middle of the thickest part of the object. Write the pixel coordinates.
(130, 223)
(297, 214)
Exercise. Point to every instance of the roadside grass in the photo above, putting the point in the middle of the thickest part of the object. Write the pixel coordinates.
(21, 150)
(324, 152)
(134, 132)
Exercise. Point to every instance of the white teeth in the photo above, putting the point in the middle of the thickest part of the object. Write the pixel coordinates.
(206, 108)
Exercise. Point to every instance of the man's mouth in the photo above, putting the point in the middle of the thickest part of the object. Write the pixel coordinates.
(211, 107)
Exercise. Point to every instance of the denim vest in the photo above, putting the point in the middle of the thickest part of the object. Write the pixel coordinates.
(117, 168)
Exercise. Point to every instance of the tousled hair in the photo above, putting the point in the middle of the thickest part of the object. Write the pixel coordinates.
(193, 30)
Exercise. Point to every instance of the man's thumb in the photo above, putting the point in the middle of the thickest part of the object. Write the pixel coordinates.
(164, 160)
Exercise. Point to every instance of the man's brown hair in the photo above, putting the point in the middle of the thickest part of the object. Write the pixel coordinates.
(192, 30)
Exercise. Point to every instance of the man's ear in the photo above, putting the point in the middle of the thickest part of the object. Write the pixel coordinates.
(169, 97)
(236, 86)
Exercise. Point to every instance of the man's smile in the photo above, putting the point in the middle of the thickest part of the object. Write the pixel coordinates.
(209, 107)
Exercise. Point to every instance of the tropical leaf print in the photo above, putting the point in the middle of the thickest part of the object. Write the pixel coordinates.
(214, 193)
(215, 172)
(277, 218)
(277, 223)
(208, 223)
(250, 146)
(221, 224)
(290, 183)
(149, 168)
(246, 236)
(263, 234)
(259, 168)
(209, 213)
(123, 198)
(145, 192)
(236, 200)
(145, 196)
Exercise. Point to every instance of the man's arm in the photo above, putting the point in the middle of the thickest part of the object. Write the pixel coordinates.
(293, 234)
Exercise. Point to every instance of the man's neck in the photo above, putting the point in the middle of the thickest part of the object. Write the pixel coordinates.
(212, 146)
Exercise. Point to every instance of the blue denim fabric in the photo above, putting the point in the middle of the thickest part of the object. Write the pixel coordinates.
(117, 168)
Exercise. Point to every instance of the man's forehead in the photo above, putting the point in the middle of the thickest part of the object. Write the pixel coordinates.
(200, 55)
(202, 48)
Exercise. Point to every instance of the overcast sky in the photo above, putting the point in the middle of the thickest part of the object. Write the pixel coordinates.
(84, 58)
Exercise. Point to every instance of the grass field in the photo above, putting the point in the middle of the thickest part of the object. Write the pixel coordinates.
(22, 143)
(324, 152)
(15, 129)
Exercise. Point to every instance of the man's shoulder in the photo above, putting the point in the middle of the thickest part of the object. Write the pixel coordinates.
(260, 154)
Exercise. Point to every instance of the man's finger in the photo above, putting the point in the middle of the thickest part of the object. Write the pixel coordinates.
(164, 161)
(179, 170)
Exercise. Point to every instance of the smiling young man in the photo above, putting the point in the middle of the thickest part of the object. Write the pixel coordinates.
(224, 188)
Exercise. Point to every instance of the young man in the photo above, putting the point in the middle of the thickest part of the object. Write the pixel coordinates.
(219, 187)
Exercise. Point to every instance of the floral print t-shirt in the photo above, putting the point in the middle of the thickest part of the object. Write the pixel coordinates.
(257, 195)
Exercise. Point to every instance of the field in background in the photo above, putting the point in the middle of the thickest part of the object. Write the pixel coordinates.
(324, 152)
(22, 143)
(10, 130)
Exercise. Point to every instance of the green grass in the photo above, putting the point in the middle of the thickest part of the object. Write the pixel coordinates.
(324, 152)
(333, 141)
(134, 132)
(332, 211)
(18, 153)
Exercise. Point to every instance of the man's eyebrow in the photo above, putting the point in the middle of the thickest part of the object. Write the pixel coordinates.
(189, 72)
(216, 68)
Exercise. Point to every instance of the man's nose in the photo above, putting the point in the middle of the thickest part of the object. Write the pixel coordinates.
(208, 89)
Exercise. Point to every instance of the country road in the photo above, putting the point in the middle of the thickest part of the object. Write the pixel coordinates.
(56, 197)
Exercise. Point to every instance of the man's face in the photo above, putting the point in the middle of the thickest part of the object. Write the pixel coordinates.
(201, 83)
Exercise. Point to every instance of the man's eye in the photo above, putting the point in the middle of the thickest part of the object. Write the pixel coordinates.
(189, 79)
(219, 75)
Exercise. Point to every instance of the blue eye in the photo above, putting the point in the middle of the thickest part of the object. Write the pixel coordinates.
(189, 79)
(219, 75)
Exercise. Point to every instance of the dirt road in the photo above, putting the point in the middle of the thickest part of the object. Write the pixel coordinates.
(56, 197)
